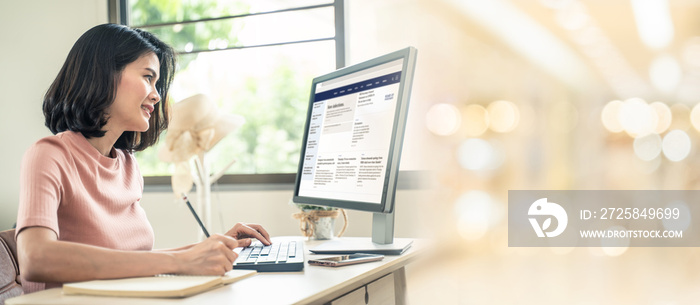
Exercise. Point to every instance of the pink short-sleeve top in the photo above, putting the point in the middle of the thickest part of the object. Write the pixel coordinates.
(66, 185)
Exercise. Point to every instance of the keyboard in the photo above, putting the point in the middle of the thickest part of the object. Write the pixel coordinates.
(282, 255)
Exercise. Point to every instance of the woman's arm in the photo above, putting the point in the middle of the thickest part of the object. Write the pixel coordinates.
(175, 249)
(43, 258)
(241, 232)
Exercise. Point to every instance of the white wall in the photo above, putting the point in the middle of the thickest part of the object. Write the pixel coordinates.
(174, 225)
(35, 37)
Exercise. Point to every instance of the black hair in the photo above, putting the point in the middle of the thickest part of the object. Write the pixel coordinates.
(87, 84)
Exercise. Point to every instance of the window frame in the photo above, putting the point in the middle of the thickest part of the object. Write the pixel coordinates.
(118, 12)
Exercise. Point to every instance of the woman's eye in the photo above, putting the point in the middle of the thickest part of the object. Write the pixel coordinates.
(149, 77)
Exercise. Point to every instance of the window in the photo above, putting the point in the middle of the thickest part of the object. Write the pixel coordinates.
(254, 58)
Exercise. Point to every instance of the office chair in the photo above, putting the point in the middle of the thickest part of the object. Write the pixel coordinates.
(10, 285)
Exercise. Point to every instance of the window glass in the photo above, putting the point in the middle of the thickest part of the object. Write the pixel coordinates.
(248, 31)
(267, 85)
(145, 12)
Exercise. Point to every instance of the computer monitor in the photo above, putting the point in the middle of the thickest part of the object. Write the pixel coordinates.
(351, 150)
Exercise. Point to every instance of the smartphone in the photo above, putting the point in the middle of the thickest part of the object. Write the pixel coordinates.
(344, 260)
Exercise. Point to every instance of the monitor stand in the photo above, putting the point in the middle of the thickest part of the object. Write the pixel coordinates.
(382, 242)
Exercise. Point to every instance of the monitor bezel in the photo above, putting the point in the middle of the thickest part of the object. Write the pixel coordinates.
(386, 204)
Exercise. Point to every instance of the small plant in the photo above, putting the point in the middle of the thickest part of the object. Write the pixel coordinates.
(310, 207)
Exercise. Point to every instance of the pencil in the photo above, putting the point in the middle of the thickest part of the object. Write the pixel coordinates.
(201, 225)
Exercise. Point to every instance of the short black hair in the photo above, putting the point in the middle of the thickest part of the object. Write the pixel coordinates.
(87, 84)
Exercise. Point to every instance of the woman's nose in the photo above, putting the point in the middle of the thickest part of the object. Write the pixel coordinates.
(155, 97)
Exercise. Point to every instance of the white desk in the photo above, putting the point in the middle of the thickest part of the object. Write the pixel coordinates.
(384, 281)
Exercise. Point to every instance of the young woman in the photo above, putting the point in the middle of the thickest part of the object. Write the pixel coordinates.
(79, 215)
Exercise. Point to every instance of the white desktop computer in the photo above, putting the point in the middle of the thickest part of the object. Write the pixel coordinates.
(352, 143)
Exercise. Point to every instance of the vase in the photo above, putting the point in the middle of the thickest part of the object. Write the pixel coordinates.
(319, 224)
(323, 228)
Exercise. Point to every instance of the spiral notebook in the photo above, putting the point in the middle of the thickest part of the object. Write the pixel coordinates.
(160, 286)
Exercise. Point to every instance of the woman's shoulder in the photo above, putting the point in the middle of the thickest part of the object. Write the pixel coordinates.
(52, 144)
(57, 147)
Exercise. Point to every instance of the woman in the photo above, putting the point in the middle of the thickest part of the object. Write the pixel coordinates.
(79, 216)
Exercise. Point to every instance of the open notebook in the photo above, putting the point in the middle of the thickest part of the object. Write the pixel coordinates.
(161, 286)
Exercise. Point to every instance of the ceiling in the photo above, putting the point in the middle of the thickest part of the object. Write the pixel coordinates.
(589, 42)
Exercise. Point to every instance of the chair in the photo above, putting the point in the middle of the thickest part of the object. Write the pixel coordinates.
(10, 285)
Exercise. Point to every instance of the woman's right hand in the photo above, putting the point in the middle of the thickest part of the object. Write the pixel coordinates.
(213, 256)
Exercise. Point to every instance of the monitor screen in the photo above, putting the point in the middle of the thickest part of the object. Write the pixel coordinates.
(354, 133)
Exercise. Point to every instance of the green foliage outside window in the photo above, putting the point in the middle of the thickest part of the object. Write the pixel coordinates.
(145, 12)
(268, 86)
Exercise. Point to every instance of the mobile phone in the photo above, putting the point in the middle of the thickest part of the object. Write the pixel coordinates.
(344, 260)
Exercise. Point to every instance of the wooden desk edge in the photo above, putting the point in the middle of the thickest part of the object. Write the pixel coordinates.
(395, 266)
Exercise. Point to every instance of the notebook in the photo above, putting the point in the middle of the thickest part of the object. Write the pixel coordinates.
(160, 286)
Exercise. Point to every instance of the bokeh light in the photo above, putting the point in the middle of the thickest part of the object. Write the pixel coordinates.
(664, 116)
(647, 147)
(637, 118)
(478, 155)
(695, 117)
(474, 210)
(676, 145)
(443, 119)
(476, 120)
(665, 73)
(474, 154)
(615, 246)
(189, 47)
(684, 216)
(503, 116)
(610, 116)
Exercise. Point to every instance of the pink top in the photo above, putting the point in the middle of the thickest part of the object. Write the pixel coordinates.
(66, 185)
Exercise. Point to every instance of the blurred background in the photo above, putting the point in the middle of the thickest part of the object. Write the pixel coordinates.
(508, 95)
(557, 95)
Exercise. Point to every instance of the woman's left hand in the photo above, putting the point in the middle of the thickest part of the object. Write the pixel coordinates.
(243, 232)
